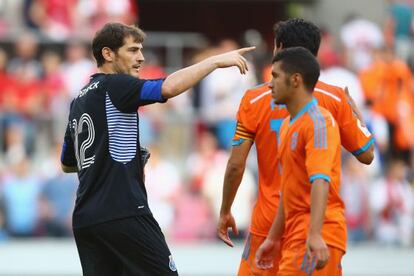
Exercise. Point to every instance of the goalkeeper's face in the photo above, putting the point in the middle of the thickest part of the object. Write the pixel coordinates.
(129, 58)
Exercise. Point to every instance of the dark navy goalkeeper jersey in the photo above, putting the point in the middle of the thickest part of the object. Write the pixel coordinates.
(102, 141)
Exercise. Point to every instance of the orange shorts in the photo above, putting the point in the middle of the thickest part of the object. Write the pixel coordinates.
(295, 262)
(247, 264)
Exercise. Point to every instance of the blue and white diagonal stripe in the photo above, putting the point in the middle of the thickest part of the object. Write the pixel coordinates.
(122, 132)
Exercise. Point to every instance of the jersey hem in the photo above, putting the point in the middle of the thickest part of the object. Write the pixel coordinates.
(296, 242)
(83, 225)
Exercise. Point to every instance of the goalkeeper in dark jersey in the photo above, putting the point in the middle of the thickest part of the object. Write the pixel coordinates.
(114, 229)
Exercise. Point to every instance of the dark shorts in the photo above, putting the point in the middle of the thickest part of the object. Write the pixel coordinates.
(127, 247)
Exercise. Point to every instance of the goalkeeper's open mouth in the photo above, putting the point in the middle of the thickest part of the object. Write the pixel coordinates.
(136, 67)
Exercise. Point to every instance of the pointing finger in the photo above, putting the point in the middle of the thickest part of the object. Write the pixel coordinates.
(246, 50)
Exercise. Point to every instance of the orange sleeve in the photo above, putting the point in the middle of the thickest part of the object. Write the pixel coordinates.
(322, 143)
(355, 137)
(246, 123)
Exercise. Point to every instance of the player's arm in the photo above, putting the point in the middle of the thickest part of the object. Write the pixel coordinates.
(186, 78)
(362, 140)
(278, 225)
(266, 253)
(315, 242)
(354, 107)
(232, 179)
(322, 150)
(355, 136)
(367, 156)
(68, 169)
(67, 158)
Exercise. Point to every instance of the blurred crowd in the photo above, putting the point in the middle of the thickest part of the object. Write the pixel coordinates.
(58, 20)
(190, 137)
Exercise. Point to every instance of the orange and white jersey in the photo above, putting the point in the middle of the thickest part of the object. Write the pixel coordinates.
(259, 120)
(310, 149)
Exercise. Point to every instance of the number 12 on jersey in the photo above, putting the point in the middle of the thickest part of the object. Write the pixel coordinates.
(80, 151)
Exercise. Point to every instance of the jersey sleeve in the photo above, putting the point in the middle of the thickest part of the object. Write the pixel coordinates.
(355, 137)
(68, 157)
(128, 93)
(322, 141)
(246, 125)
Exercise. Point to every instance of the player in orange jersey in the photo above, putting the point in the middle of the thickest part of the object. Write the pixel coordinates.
(259, 121)
(311, 214)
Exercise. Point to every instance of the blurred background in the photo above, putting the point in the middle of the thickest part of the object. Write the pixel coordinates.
(45, 60)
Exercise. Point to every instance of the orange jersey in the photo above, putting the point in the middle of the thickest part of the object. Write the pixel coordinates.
(310, 149)
(355, 138)
(296, 262)
(248, 265)
(259, 120)
(383, 83)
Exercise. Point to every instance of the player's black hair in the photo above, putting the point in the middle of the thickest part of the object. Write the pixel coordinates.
(113, 35)
(299, 60)
(297, 32)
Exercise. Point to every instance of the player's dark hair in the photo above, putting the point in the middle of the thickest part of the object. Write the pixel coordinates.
(297, 32)
(299, 60)
(113, 35)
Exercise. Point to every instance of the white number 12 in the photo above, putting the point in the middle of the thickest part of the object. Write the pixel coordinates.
(83, 161)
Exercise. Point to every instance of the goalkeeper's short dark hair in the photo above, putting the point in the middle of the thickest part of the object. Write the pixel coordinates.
(113, 35)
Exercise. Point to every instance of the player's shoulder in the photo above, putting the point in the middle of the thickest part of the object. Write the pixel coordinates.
(257, 93)
(257, 100)
(120, 79)
(323, 111)
(328, 91)
(115, 76)
(319, 116)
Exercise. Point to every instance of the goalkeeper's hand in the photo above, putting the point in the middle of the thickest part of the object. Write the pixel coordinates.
(145, 155)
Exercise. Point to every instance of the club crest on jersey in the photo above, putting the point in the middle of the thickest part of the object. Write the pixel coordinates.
(294, 141)
(172, 264)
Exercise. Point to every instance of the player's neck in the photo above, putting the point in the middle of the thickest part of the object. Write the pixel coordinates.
(297, 104)
(106, 69)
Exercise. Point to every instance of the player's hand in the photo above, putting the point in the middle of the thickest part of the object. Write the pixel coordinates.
(233, 58)
(266, 254)
(316, 246)
(225, 222)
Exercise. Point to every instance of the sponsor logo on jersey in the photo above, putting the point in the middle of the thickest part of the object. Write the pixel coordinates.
(93, 85)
